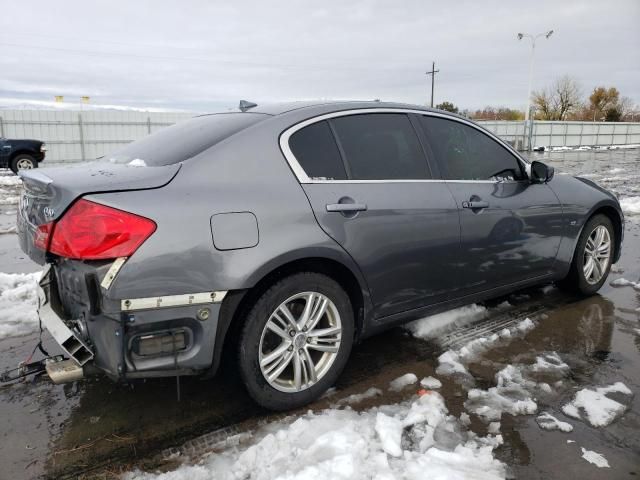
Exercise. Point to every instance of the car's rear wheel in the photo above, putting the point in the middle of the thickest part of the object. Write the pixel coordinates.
(592, 258)
(296, 340)
(23, 162)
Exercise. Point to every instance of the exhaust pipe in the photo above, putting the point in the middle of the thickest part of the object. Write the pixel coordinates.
(67, 371)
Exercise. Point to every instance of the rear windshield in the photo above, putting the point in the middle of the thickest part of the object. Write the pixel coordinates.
(184, 140)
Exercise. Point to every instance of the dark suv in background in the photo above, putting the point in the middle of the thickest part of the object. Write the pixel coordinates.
(21, 154)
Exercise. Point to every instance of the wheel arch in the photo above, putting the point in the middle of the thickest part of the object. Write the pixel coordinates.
(237, 302)
(22, 151)
(616, 218)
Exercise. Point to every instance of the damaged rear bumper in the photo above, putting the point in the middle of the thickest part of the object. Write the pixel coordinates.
(124, 338)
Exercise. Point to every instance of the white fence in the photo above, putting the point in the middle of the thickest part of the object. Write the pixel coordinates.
(78, 136)
(565, 134)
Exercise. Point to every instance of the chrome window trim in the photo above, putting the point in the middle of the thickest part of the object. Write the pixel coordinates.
(304, 179)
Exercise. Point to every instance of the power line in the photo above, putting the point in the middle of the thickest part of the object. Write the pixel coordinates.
(209, 61)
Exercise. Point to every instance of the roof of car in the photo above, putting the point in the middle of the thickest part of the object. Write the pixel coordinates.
(280, 108)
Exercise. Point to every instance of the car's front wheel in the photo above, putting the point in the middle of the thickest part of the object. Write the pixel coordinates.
(23, 162)
(593, 256)
(296, 340)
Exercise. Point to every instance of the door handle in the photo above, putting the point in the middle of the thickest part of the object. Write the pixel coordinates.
(346, 207)
(475, 204)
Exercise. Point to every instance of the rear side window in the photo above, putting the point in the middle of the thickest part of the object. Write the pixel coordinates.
(184, 140)
(381, 146)
(465, 153)
(317, 153)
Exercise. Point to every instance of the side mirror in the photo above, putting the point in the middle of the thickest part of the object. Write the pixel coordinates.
(540, 172)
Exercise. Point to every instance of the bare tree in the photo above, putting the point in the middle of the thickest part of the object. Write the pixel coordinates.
(559, 100)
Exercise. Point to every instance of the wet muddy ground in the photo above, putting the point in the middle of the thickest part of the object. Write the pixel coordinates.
(96, 429)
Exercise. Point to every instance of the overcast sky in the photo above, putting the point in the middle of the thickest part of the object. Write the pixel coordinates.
(206, 55)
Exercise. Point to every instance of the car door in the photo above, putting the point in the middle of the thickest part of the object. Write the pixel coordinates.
(510, 228)
(372, 190)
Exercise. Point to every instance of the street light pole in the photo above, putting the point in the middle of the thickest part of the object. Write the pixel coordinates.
(533, 39)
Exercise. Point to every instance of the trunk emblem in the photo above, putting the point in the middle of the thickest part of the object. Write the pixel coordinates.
(48, 212)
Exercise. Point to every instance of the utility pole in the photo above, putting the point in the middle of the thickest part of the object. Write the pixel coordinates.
(433, 78)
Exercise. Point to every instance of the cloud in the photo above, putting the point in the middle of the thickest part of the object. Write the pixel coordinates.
(204, 55)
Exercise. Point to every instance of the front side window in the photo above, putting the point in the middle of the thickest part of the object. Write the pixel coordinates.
(380, 146)
(317, 153)
(465, 153)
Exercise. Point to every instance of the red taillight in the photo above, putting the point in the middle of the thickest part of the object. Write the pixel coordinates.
(90, 231)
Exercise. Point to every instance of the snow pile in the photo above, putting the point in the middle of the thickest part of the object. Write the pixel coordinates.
(18, 304)
(9, 200)
(596, 458)
(431, 383)
(137, 162)
(396, 441)
(630, 205)
(455, 361)
(428, 327)
(598, 409)
(623, 282)
(546, 421)
(402, 382)
(10, 181)
(515, 389)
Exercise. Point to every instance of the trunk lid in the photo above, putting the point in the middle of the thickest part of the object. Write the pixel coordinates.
(47, 193)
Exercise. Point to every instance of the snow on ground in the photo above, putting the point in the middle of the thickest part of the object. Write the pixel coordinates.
(10, 181)
(630, 205)
(18, 304)
(428, 327)
(396, 441)
(431, 383)
(516, 389)
(359, 397)
(402, 382)
(455, 361)
(546, 421)
(595, 407)
(623, 282)
(596, 458)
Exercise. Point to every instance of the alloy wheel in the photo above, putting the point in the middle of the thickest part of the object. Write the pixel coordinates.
(24, 164)
(597, 254)
(300, 342)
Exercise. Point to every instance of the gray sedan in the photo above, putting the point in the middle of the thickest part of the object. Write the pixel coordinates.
(284, 234)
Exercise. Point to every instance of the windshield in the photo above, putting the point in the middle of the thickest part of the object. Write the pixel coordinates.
(184, 140)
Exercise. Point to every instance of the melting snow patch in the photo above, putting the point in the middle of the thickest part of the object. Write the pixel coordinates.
(596, 458)
(514, 389)
(18, 304)
(454, 361)
(623, 282)
(427, 327)
(431, 383)
(395, 441)
(402, 382)
(546, 421)
(359, 397)
(389, 430)
(137, 162)
(10, 181)
(598, 409)
(630, 205)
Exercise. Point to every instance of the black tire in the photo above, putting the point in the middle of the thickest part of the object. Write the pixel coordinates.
(22, 159)
(576, 281)
(255, 382)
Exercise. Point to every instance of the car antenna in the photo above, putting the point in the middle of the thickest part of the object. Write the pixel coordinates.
(246, 105)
